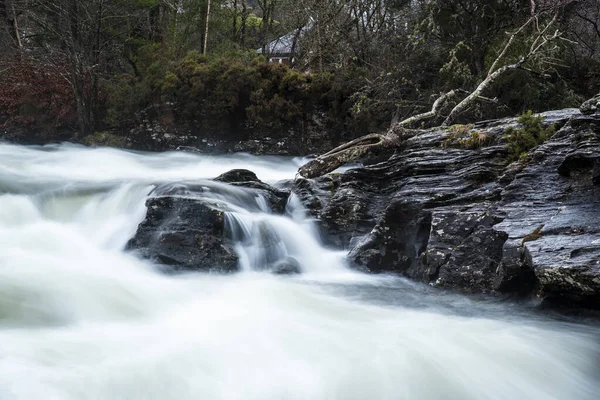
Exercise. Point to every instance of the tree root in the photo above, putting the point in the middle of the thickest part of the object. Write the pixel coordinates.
(354, 150)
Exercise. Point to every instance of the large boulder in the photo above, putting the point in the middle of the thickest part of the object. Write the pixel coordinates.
(276, 199)
(186, 225)
(185, 234)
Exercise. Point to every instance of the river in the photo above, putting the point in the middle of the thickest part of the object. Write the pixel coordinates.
(80, 318)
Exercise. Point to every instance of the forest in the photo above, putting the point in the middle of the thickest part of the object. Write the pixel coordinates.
(246, 69)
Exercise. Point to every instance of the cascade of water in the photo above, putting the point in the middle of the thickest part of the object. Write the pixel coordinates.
(81, 319)
(281, 243)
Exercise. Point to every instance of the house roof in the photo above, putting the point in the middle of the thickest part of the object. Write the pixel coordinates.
(285, 44)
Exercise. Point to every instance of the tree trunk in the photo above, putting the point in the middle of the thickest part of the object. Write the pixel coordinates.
(9, 15)
(206, 27)
(235, 14)
(355, 150)
(473, 97)
(83, 107)
(244, 21)
(96, 50)
(77, 71)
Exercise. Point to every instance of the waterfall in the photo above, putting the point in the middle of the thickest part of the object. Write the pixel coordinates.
(283, 243)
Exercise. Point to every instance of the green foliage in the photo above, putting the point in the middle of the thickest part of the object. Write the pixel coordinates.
(455, 72)
(531, 134)
(234, 93)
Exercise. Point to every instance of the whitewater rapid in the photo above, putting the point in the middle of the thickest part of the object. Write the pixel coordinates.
(82, 319)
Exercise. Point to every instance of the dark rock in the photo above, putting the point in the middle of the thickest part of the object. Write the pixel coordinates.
(464, 219)
(463, 251)
(185, 234)
(237, 175)
(276, 198)
(596, 172)
(473, 264)
(314, 194)
(515, 273)
(396, 242)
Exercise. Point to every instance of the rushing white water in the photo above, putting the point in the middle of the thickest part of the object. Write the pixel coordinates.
(82, 319)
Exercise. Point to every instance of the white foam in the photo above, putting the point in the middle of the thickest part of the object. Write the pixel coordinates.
(80, 319)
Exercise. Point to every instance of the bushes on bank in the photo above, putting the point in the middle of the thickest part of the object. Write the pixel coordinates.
(531, 134)
(229, 94)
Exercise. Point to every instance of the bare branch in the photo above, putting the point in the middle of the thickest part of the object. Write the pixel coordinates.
(435, 109)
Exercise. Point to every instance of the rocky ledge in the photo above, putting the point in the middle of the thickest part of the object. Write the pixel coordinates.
(465, 219)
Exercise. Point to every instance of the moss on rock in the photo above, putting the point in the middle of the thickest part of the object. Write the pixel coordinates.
(104, 139)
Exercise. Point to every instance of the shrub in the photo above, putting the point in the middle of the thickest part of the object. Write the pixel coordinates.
(237, 94)
(531, 134)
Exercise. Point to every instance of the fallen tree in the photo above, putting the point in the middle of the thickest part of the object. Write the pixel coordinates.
(543, 34)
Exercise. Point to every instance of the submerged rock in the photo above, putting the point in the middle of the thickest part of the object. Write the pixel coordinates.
(287, 266)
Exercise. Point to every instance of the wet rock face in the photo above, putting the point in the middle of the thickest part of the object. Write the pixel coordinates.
(553, 208)
(464, 219)
(464, 251)
(184, 234)
(397, 240)
(185, 228)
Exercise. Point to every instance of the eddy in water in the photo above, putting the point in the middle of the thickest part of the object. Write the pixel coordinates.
(81, 318)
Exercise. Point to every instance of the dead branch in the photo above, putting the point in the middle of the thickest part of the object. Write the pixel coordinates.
(435, 109)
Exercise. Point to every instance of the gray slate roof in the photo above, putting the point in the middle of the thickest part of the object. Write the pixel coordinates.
(284, 44)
